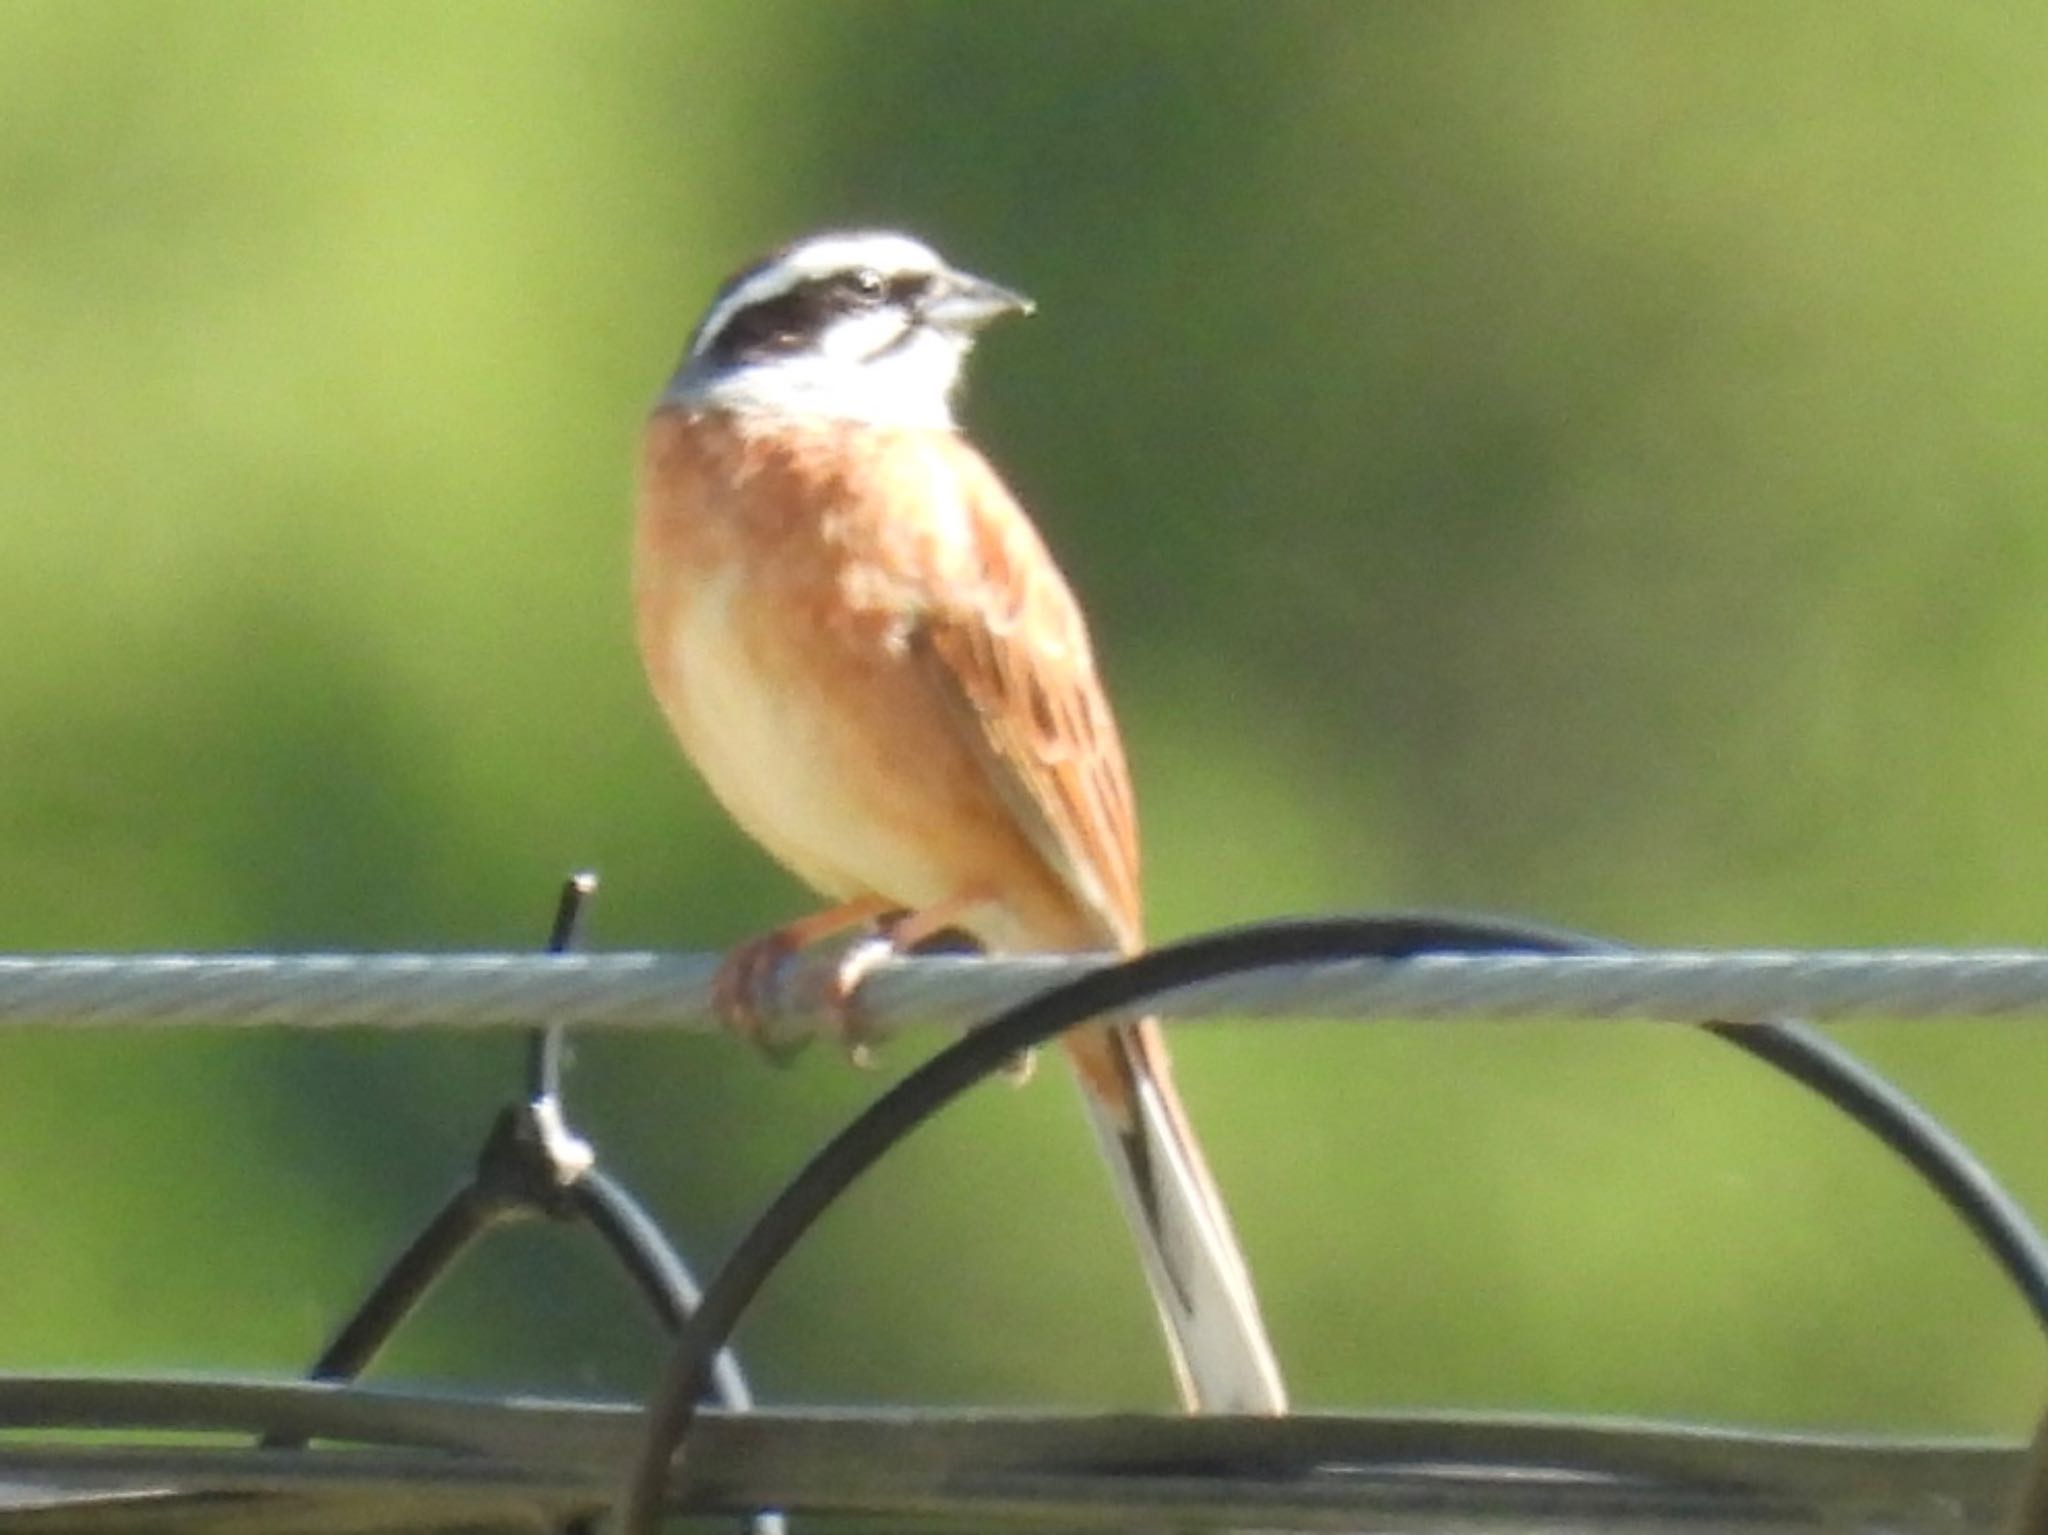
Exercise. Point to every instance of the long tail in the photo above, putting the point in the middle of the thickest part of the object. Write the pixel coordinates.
(1221, 1356)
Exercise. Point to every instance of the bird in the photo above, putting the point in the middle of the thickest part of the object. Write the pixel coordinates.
(861, 641)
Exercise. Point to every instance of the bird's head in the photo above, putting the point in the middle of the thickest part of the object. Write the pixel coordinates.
(866, 325)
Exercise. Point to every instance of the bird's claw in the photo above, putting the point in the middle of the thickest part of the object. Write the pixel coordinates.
(746, 989)
(850, 1024)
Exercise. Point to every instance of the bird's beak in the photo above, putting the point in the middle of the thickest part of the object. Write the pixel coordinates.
(963, 302)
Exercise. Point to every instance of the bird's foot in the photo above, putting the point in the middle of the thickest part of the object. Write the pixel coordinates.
(747, 989)
(899, 933)
(747, 993)
(850, 1025)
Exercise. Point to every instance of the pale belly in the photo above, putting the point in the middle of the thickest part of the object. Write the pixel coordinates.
(789, 744)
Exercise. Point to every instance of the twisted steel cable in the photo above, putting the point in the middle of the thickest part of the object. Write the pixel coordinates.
(650, 991)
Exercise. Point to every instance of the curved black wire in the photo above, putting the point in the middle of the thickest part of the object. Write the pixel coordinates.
(1809, 1057)
(657, 1270)
(1944, 1163)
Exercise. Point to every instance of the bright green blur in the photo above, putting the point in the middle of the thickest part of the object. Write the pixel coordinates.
(1579, 461)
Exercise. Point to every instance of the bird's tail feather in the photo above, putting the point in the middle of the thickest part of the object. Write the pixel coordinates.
(1197, 1274)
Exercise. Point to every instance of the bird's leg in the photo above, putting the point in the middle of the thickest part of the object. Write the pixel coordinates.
(899, 934)
(744, 986)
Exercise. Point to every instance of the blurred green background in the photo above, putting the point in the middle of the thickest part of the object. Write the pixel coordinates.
(1574, 460)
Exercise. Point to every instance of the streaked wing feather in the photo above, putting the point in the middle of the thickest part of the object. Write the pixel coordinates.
(1006, 645)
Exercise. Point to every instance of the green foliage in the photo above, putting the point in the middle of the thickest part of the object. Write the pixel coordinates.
(1574, 460)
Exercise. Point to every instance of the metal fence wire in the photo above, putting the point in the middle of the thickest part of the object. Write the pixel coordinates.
(329, 1453)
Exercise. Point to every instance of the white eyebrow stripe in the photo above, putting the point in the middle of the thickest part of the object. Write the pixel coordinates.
(815, 258)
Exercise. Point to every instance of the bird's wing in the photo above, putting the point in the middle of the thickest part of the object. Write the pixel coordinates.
(1004, 643)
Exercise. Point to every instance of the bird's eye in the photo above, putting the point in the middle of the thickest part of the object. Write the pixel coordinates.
(868, 284)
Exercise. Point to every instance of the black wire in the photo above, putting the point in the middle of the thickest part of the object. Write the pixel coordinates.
(656, 1268)
(465, 1216)
(547, 1049)
(666, 1283)
(1963, 1182)
(1943, 1162)
(657, 1271)
(469, 1212)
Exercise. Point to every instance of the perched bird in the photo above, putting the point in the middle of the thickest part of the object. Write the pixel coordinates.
(863, 644)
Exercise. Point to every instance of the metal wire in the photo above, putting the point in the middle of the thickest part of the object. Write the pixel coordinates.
(1140, 982)
(663, 991)
(385, 1458)
(1490, 970)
